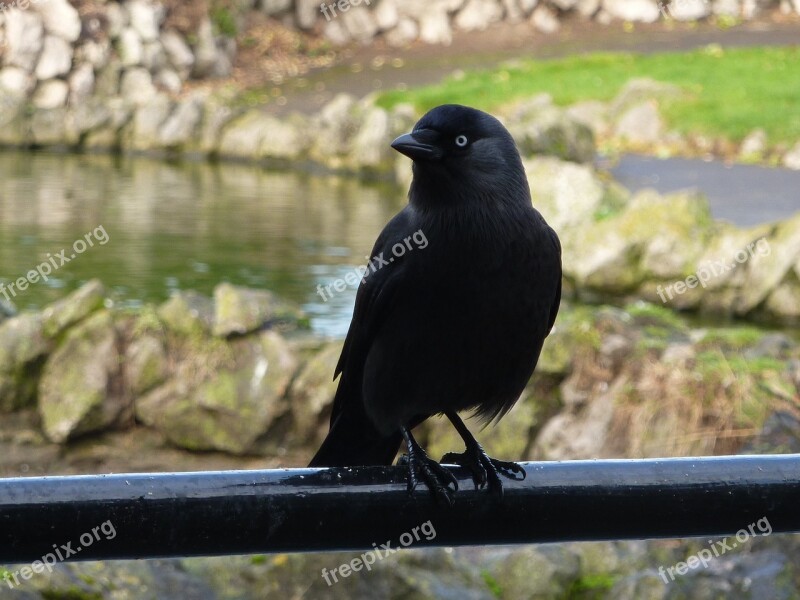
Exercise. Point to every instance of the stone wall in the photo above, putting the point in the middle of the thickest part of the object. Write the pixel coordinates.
(59, 52)
(400, 22)
(113, 76)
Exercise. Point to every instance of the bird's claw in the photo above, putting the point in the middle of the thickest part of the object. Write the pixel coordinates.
(484, 469)
(438, 479)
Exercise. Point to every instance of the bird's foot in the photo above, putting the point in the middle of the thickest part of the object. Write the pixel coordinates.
(438, 479)
(485, 470)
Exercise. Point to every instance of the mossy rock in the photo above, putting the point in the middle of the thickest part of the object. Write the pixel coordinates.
(75, 392)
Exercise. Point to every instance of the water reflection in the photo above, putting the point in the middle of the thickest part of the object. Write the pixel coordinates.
(187, 226)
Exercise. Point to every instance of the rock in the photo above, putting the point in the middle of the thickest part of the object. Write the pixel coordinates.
(205, 50)
(257, 135)
(513, 11)
(274, 7)
(638, 90)
(182, 126)
(24, 39)
(335, 127)
(753, 8)
(311, 393)
(403, 34)
(371, 145)
(81, 83)
(791, 160)
(644, 585)
(672, 249)
(51, 94)
(306, 13)
(587, 8)
(75, 392)
(434, 27)
(567, 194)
(784, 301)
(72, 309)
(178, 52)
(23, 347)
(771, 345)
(89, 115)
(15, 83)
(754, 146)
(113, 115)
(360, 25)
(136, 86)
(168, 81)
(640, 125)
(547, 571)
(387, 16)
(336, 32)
(60, 19)
(539, 127)
(780, 434)
(217, 116)
(145, 134)
(645, 11)
(766, 263)
(118, 19)
(654, 236)
(131, 50)
(478, 15)
(55, 60)
(527, 6)
(545, 19)
(153, 56)
(581, 431)
(48, 127)
(107, 81)
(729, 8)
(230, 409)
(187, 313)
(592, 113)
(689, 10)
(239, 310)
(7, 310)
(144, 18)
(144, 364)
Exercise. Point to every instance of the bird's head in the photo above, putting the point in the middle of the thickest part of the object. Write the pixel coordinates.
(463, 154)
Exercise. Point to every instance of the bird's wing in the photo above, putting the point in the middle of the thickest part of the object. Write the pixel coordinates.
(374, 301)
(557, 298)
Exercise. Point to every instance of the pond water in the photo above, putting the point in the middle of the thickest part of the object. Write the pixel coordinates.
(185, 226)
(157, 227)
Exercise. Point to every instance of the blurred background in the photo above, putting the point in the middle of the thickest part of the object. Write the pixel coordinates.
(180, 180)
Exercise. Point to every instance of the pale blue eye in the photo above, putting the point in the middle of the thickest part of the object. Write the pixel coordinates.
(461, 141)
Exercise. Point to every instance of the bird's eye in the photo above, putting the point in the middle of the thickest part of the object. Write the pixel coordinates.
(461, 141)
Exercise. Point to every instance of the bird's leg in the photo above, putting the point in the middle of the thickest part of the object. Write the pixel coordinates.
(485, 470)
(420, 465)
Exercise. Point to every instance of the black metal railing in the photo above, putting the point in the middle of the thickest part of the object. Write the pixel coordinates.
(294, 510)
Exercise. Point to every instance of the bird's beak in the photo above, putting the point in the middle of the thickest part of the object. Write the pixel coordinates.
(419, 145)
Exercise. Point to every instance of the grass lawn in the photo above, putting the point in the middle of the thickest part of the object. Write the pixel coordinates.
(729, 92)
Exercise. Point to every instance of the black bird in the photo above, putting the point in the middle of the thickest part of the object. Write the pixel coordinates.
(457, 324)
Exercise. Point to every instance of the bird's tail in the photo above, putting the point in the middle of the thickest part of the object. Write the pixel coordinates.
(354, 441)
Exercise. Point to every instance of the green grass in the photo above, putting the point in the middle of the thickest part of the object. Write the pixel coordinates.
(728, 92)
